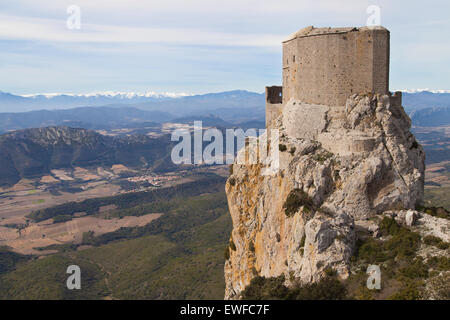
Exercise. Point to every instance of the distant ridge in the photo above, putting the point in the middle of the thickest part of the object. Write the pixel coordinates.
(84, 117)
(235, 106)
(31, 153)
(56, 101)
(423, 90)
(115, 94)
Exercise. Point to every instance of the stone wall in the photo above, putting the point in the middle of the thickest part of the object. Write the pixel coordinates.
(274, 99)
(326, 66)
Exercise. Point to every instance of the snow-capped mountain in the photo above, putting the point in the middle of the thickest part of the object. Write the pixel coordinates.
(423, 90)
(29, 102)
(230, 105)
(110, 94)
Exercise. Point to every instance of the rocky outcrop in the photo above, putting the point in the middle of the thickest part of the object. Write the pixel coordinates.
(337, 166)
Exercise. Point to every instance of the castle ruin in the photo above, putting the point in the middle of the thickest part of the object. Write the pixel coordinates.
(346, 157)
(326, 65)
(322, 68)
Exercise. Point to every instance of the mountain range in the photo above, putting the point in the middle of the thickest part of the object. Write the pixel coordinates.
(83, 117)
(21, 103)
(56, 143)
(431, 117)
(425, 108)
(425, 99)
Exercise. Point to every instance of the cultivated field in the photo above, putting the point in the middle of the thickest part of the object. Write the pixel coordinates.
(47, 233)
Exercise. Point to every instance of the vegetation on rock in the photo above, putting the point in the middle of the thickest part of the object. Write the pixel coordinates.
(296, 199)
(260, 288)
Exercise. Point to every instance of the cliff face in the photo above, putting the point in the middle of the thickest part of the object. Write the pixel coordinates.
(337, 166)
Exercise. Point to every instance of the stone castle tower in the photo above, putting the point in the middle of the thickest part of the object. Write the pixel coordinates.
(346, 157)
(325, 66)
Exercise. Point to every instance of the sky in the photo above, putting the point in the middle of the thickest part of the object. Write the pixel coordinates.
(199, 46)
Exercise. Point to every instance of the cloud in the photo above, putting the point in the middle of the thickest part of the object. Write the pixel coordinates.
(37, 29)
(184, 7)
(198, 45)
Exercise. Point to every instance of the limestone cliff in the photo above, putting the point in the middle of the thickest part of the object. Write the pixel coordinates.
(337, 166)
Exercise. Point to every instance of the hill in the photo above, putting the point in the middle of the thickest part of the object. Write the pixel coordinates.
(431, 117)
(147, 264)
(425, 99)
(83, 117)
(33, 152)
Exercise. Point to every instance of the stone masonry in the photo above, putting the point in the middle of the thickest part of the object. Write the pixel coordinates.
(325, 66)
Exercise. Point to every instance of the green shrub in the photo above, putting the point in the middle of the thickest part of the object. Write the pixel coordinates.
(292, 151)
(295, 199)
(328, 288)
(435, 241)
(410, 291)
(62, 218)
(431, 240)
(322, 156)
(443, 245)
(251, 246)
(88, 237)
(232, 181)
(364, 293)
(63, 247)
(416, 269)
(388, 226)
(439, 263)
(9, 259)
(15, 225)
(261, 288)
(438, 212)
(402, 244)
(282, 147)
(371, 251)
